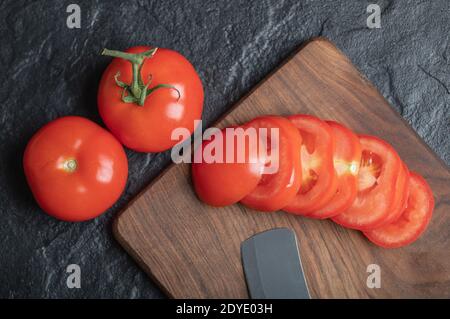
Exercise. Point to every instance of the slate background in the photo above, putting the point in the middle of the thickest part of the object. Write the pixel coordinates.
(48, 70)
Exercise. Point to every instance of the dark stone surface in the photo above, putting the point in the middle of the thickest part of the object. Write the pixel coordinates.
(48, 70)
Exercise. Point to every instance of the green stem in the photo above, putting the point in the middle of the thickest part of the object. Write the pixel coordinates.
(135, 89)
(135, 92)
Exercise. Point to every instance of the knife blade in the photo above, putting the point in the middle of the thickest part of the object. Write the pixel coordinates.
(272, 266)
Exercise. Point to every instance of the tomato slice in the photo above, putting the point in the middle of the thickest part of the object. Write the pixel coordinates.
(319, 181)
(400, 197)
(277, 188)
(347, 157)
(413, 220)
(219, 182)
(377, 179)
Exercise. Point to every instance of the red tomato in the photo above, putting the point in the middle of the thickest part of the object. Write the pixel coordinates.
(319, 181)
(174, 100)
(413, 220)
(75, 169)
(221, 183)
(346, 158)
(277, 189)
(377, 179)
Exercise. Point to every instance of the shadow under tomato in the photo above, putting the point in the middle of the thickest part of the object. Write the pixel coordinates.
(16, 182)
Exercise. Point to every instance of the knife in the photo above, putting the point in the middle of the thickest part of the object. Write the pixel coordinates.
(272, 266)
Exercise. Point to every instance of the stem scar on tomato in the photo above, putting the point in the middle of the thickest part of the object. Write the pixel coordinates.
(137, 91)
(70, 165)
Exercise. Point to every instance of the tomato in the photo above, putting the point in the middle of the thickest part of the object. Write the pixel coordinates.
(377, 178)
(319, 181)
(219, 182)
(346, 158)
(76, 169)
(413, 220)
(168, 94)
(277, 188)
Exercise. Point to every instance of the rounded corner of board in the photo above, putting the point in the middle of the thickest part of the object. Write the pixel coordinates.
(117, 227)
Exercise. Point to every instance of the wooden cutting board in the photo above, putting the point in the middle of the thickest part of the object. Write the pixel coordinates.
(193, 251)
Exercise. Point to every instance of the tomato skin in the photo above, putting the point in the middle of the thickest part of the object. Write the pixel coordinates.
(413, 220)
(93, 186)
(347, 158)
(222, 184)
(317, 134)
(276, 190)
(372, 206)
(148, 128)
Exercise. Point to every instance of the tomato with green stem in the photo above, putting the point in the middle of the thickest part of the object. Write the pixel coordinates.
(145, 93)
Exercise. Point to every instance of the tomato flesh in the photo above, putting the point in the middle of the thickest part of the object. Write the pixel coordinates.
(412, 221)
(76, 169)
(377, 179)
(400, 197)
(319, 181)
(346, 159)
(277, 189)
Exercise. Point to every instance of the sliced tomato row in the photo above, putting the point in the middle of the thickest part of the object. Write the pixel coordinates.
(323, 170)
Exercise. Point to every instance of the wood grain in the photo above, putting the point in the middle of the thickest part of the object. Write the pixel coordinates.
(193, 251)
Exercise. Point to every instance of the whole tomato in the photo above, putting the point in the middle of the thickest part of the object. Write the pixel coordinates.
(145, 93)
(75, 169)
